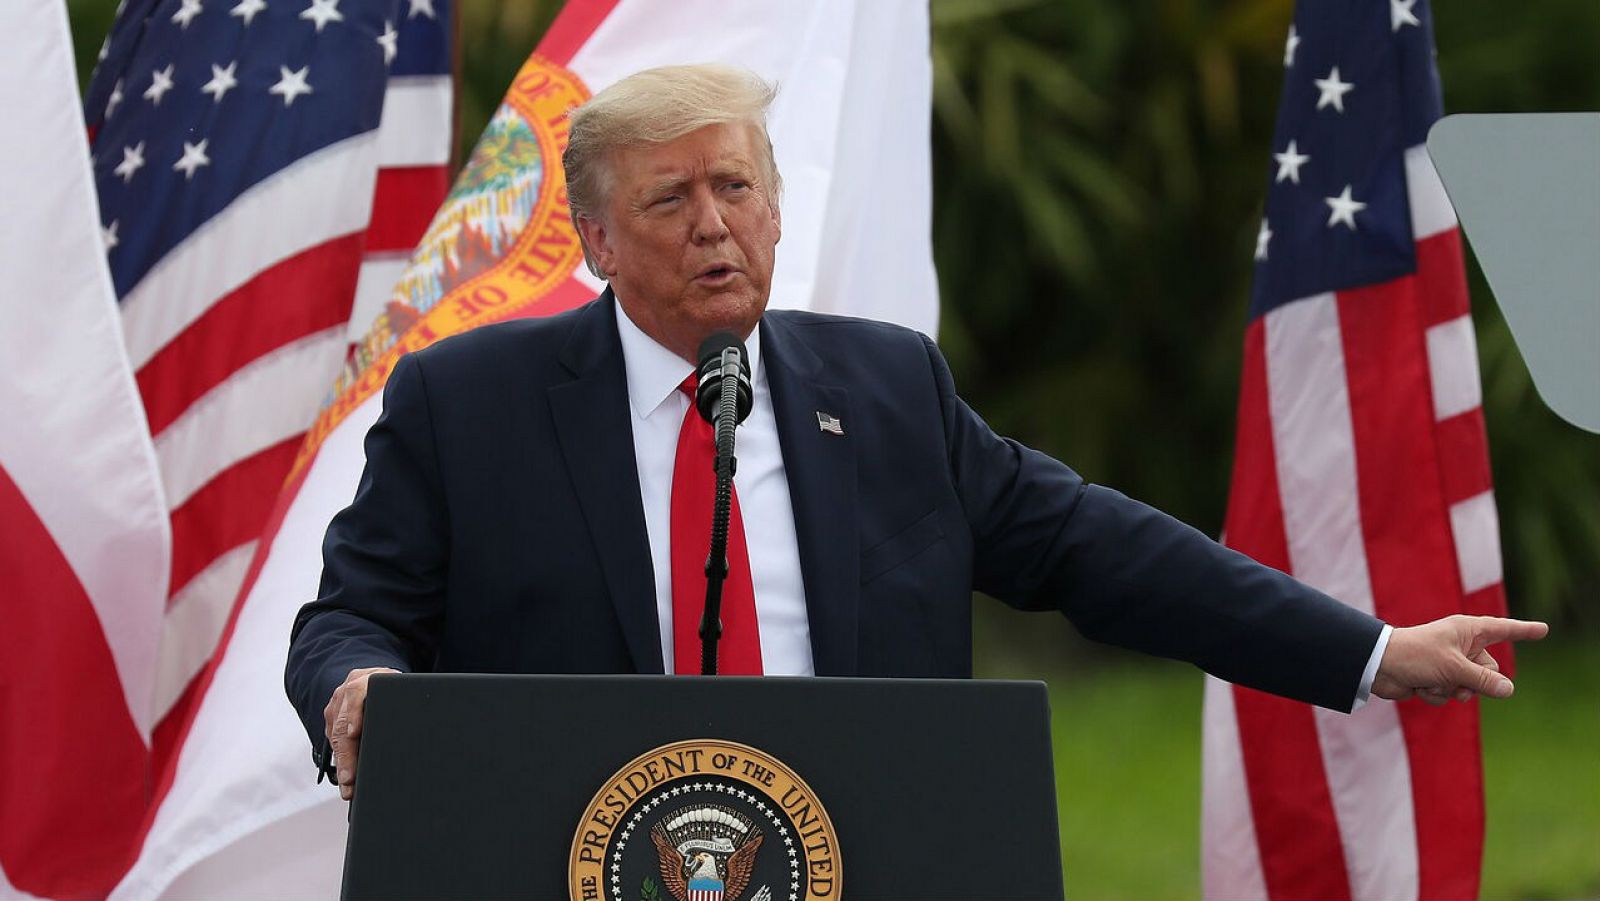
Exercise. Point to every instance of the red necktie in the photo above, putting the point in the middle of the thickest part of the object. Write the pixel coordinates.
(694, 482)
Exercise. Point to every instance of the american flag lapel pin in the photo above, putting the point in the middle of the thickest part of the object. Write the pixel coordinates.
(829, 423)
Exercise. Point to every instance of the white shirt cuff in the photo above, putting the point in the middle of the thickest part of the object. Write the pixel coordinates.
(1364, 690)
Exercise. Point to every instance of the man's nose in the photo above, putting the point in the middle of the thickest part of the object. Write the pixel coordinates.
(708, 223)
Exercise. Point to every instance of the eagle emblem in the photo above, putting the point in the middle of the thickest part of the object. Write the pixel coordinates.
(706, 852)
(726, 822)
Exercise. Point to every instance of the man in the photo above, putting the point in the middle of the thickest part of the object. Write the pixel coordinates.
(536, 495)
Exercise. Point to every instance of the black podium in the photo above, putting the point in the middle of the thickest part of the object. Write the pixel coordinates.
(652, 788)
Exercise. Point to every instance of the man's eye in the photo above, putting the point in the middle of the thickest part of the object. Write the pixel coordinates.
(665, 200)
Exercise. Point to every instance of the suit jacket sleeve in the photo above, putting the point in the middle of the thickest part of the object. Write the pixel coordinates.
(1128, 575)
(381, 600)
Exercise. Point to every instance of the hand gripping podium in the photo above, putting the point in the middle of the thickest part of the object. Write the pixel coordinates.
(670, 788)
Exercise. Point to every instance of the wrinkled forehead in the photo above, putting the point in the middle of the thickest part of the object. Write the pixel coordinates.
(716, 151)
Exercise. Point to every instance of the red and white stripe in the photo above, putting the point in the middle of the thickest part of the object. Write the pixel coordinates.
(83, 528)
(238, 332)
(1361, 469)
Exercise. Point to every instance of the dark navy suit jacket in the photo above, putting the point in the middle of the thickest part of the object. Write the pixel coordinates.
(498, 527)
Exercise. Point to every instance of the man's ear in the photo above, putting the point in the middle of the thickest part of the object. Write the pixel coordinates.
(777, 219)
(596, 244)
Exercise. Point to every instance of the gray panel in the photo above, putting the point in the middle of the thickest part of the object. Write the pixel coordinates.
(1526, 188)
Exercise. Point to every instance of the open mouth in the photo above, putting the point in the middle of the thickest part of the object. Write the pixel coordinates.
(716, 274)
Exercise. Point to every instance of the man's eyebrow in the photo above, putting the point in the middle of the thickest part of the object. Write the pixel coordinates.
(738, 168)
(666, 185)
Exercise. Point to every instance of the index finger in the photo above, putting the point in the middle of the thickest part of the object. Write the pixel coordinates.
(1493, 629)
(352, 710)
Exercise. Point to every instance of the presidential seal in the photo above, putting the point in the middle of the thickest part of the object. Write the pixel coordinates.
(704, 820)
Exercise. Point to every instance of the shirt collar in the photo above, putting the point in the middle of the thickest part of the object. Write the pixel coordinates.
(654, 372)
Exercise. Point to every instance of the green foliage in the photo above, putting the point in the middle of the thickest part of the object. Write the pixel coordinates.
(649, 891)
(1098, 168)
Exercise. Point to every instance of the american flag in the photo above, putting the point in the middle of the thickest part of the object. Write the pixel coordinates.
(1362, 469)
(241, 149)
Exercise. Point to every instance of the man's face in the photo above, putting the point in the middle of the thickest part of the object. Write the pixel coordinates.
(686, 235)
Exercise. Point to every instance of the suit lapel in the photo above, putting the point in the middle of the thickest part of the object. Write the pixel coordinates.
(596, 437)
(821, 469)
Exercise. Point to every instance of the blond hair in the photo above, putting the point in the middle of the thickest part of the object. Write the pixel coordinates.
(656, 106)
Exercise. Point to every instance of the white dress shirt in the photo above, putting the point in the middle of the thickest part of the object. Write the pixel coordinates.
(654, 374)
(1364, 690)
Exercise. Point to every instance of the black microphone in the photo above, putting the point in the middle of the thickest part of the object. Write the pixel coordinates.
(722, 355)
(724, 399)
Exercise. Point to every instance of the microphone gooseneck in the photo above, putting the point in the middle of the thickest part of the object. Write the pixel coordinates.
(724, 398)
